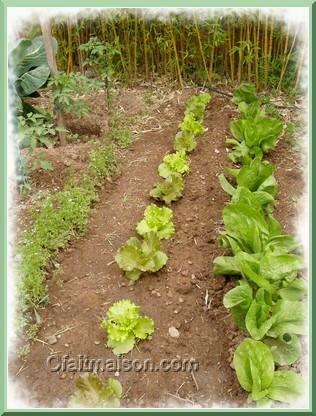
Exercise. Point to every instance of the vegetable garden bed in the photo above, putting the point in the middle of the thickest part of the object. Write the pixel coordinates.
(184, 299)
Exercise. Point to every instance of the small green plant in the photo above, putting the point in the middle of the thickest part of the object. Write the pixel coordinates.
(245, 93)
(191, 125)
(138, 256)
(157, 220)
(65, 91)
(91, 391)
(124, 326)
(100, 58)
(196, 105)
(174, 163)
(102, 162)
(184, 140)
(169, 190)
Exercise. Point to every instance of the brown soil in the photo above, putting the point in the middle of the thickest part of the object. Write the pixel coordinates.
(175, 296)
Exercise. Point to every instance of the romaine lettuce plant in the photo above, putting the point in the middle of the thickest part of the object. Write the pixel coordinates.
(170, 189)
(157, 220)
(92, 392)
(245, 93)
(254, 365)
(174, 163)
(124, 326)
(138, 256)
(253, 137)
(258, 176)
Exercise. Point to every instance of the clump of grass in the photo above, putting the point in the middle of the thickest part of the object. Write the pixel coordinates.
(121, 134)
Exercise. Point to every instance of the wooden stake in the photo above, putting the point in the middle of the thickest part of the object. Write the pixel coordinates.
(48, 44)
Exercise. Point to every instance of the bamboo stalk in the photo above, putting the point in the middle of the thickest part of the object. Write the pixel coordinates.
(208, 76)
(287, 61)
(176, 56)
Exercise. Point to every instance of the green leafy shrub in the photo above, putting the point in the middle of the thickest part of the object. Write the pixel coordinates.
(138, 256)
(157, 220)
(92, 392)
(65, 91)
(29, 63)
(124, 326)
(174, 163)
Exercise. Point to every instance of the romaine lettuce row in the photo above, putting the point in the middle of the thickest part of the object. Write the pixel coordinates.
(157, 220)
(169, 190)
(174, 163)
(136, 256)
(254, 365)
(125, 326)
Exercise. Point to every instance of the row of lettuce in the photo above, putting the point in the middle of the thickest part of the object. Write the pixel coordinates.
(123, 323)
(144, 254)
(269, 299)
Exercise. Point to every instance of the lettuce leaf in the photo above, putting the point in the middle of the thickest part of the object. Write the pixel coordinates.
(124, 326)
(287, 386)
(158, 220)
(191, 125)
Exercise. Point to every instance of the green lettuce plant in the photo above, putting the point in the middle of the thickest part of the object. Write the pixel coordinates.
(169, 190)
(157, 220)
(138, 256)
(125, 326)
(185, 140)
(191, 125)
(258, 177)
(174, 163)
(196, 105)
(245, 93)
(253, 137)
(255, 370)
(91, 391)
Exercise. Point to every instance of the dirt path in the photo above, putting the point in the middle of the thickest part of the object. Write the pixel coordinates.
(175, 296)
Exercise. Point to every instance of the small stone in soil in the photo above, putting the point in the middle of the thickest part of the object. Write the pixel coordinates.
(51, 339)
(173, 332)
(97, 342)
